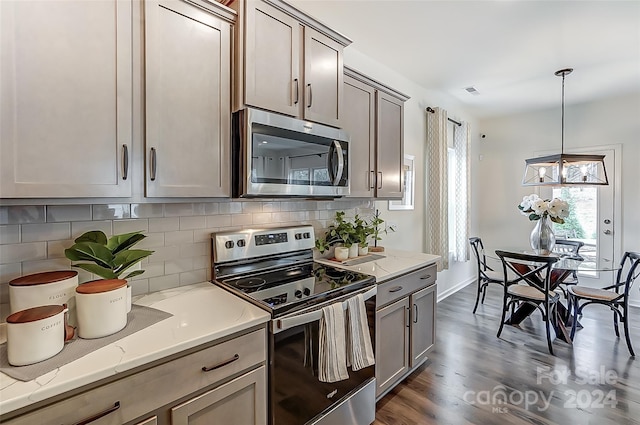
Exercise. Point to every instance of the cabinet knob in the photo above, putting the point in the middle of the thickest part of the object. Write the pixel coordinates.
(380, 184)
(297, 91)
(310, 95)
(153, 164)
(125, 162)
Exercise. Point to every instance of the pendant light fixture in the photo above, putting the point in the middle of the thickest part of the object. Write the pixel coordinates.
(565, 169)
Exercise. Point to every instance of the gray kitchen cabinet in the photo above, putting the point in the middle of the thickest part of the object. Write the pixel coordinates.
(287, 62)
(374, 118)
(405, 326)
(188, 100)
(235, 375)
(66, 99)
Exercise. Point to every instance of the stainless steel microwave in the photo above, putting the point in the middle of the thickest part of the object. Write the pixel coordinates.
(279, 156)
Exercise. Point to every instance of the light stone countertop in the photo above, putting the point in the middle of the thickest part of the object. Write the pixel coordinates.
(202, 313)
(395, 263)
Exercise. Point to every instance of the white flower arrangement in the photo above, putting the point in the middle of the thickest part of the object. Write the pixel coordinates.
(535, 208)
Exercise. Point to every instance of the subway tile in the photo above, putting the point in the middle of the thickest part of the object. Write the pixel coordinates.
(85, 276)
(17, 253)
(251, 207)
(324, 215)
(31, 267)
(139, 287)
(280, 217)
(203, 262)
(147, 210)
(8, 272)
(194, 249)
(80, 227)
(152, 241)
(179, 265)
(211, 208)
(299, 215)
(128, 226)
(4, 300)
(178, 238)
(9, 233)
(203, 235)
(178, 210)
(55, 249)
(193, 276)
(199, 208)
(111, 211)
(190, 223)
(164, 224)
(152, 270)
(223, 220)
(270, 206)
(58, 213)
(20, 214)
(230, 207)
(46, 232)
(163, 282)
(262, 218)
(241, 219)
(164, 253)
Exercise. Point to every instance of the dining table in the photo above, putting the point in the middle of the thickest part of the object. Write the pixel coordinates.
(567, 265)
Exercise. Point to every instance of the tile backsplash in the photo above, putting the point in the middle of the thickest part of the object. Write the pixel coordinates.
(33, 238)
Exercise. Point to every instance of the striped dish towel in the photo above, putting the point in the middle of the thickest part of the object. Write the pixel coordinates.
(332, 357)
(359, 348)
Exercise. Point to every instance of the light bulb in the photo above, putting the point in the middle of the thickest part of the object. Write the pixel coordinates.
(541, 172)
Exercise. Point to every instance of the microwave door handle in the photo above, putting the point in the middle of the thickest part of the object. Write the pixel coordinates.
(338, 148)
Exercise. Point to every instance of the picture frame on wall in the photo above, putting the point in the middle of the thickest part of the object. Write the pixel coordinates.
(408, 177)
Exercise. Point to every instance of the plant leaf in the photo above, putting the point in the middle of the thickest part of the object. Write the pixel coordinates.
(90, 251)
(125, 259)
(96, 269)
(93, 236)
(133, 273)
(118, 243)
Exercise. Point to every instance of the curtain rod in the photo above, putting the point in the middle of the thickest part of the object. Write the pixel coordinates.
(430, 109)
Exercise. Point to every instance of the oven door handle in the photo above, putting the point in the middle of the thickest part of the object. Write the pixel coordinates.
(294, 320)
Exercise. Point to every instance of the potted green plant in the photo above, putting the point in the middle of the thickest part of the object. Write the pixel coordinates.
(362, 231)
(341, 234)
(378, 229)
(109, 258)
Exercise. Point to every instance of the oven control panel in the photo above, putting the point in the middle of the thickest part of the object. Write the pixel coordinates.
(250, 243)
(287, 292)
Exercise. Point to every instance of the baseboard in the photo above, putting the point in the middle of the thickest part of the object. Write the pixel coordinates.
(634, 303)
(455, 288)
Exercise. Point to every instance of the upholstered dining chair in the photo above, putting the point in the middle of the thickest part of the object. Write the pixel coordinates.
(486, 274)
(571, 248)
(530, 284)
(615, 296)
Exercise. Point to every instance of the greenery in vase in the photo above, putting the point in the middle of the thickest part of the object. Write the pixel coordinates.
(376, 224)
(535, 208)
(106, 257)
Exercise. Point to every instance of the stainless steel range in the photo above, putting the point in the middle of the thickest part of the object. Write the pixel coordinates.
(274, 269)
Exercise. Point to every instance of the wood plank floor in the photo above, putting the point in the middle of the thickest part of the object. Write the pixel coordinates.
(471, 372)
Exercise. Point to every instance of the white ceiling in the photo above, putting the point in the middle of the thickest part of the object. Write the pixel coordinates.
(508, 50)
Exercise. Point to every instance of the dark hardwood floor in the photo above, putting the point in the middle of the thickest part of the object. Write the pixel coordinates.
(471, 372)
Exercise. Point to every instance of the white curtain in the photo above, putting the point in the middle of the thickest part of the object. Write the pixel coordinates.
(436, 226)
(461, 144)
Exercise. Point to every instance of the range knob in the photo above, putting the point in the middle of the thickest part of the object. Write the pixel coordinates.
(241, 243)
(228, 244)
(306, 291)
(307, 235)
(298, 293)
(298, 236)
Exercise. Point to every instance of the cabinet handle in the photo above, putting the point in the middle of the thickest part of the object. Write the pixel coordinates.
(395, 289)
(153, 164)
(372, 179)
(222, 363)
(125, 162)
(380, 174)
(97, 416)
(425, 277)
(407, 315)
(310, 95)
(415, 317)
(295, 102)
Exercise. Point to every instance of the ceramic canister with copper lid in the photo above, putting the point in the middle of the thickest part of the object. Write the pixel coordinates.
(47, 288)
(36, 334)
(101, 307)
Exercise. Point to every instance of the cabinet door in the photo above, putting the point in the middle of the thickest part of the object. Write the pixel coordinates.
(272, 59)
(390, 140)
(188, 104)
(359, 121)
(423, 323)
(66, 98)
(242, 401)
(392, 344)
(323, 78)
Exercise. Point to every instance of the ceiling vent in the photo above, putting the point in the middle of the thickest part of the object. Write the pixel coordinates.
(472, 90)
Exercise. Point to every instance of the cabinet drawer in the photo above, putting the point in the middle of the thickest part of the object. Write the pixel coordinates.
(138, 394)
(405, 285)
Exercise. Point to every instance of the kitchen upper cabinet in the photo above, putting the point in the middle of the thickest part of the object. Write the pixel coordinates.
(287, 62)
(374, 118)
(66, 99)
(188, 101)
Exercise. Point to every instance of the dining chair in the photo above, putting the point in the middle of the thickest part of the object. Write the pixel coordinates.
(530, 283)
(486, 274)
(615, 296)
(571, 248)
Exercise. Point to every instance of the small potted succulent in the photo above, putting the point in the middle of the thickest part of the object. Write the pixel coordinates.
(342, 235)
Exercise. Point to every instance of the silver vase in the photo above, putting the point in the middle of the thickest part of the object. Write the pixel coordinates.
(542, 237)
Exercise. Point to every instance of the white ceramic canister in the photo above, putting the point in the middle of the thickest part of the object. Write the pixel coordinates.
(101, 307)
(36, 334)
(47, 288)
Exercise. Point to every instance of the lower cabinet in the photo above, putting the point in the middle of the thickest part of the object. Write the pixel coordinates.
(223, 383)
(405, 326)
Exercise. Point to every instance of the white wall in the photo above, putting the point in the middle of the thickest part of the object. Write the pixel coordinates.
(512, 139)
(411, 224)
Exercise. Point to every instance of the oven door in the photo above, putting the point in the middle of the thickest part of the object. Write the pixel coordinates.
(283, 156)
(296, 395)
